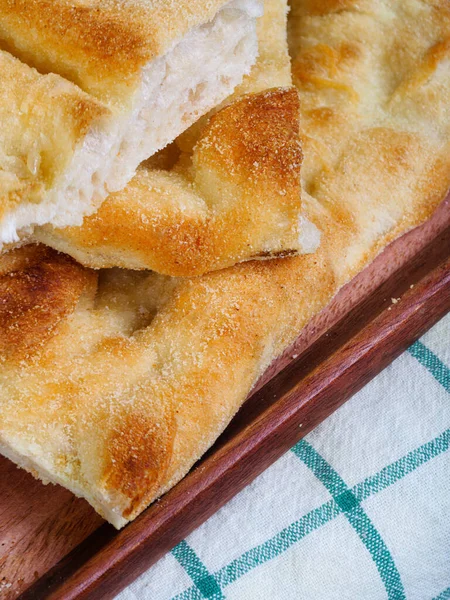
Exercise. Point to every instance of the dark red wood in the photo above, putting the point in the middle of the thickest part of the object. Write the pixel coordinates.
(307, 390)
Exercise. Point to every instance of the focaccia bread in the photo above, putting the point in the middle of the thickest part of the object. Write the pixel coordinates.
(51, 137)
(134, 375)
(157, 64)
(375, 117)
(226, 192)
(154, 66)
(234, 198)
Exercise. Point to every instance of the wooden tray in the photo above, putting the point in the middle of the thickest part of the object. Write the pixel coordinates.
(53, 546)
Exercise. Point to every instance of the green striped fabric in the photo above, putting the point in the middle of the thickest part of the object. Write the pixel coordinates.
(360, 509)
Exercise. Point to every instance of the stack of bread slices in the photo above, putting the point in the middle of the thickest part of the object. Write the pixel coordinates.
(178, 197)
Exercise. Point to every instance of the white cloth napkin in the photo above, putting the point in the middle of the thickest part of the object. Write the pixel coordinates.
(359, 510)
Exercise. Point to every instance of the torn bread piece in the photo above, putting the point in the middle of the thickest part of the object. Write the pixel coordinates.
(53, 139)
(158, 65)
(226, 192)
(238, 198)
(134, 375)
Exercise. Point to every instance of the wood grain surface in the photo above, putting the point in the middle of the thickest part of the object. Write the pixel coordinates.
(54, 546)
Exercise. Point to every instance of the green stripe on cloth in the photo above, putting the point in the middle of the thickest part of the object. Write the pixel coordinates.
(445, 595)
(192, 593)
(272, 548)
(324, 514)
(346, 499)
(357, 518)
(204, 581)
(432, 363)
(402, 467)
(277, 544)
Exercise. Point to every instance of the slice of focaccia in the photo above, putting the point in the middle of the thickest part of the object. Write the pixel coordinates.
(226, 192)
(235, 197)
(114, 383)
(155, 66)
(52, 136)
(375, 117)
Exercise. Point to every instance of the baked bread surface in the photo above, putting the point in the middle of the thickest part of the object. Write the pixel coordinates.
(137, 374)
(227, 191)
(101, 45)
(45, 121)
(91, 89)
(234, 197)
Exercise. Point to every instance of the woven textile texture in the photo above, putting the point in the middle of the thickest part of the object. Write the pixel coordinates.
(358, 510)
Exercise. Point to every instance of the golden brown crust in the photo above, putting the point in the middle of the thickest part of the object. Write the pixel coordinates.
(240, 199)
(180, 356)
(101, 45)
(364, 83)
(324, 7)
(137, 455)
(80, 82)
(131, 411)
(226, 192)
(38, 289)
(256, 140)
